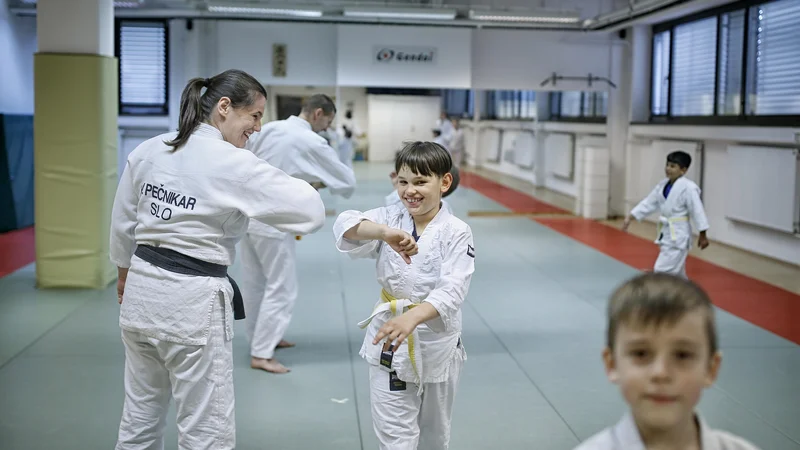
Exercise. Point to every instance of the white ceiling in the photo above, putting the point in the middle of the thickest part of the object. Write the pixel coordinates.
(592, 14)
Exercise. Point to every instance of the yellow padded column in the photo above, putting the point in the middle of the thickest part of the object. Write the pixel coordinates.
(75, 151)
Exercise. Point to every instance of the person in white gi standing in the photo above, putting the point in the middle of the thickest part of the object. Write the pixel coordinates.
(183, 202)
(269, 281)
(678, 200)
(457, 144)
(445, 126)
(425, 261)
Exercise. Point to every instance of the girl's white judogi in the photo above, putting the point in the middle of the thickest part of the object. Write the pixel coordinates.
(431, 359)
(177, 329)
(625, 436)
(269, 273)
(674, 230)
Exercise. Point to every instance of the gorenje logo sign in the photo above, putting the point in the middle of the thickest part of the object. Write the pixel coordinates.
(404, 54)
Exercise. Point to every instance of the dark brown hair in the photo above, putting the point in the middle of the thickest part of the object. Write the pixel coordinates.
(424, 158)
(241, 87)
(658, 298)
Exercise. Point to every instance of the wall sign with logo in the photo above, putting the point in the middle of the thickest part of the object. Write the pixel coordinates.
(404, 55)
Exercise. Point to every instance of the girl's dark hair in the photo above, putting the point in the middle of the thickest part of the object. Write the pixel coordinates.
(241, 87)
(424, 158)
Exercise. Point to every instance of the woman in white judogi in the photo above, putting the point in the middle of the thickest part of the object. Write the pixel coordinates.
(425, 261)
(678, 200)
(182, 204)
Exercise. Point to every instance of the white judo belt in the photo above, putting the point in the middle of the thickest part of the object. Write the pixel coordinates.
(394, 307)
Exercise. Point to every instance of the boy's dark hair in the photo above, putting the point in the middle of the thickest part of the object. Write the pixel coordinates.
(319, 101)
(424, 158)
(682, 159)
(656, 299)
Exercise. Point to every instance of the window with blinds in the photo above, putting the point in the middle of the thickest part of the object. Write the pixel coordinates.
(142, 53)
(581, 105)
(496, 104)
(660, 86)
(775, 62)
(731, 54)
(693, 68)
(739, 61)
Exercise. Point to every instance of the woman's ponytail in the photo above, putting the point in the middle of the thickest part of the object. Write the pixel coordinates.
(191, 111)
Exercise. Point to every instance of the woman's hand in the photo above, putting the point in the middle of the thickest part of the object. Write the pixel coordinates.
(122, 277)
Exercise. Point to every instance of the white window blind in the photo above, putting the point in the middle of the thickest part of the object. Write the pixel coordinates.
(731, 53)
(777, 58)
(693, 68)
(571, 104)
(143, 67)
(660, 89)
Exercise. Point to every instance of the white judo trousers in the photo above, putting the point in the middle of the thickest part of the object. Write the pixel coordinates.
(402, 420)
(199, 377)
(269, 289)
(671, 260)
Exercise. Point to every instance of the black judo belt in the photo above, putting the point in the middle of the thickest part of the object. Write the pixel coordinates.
(186, 265)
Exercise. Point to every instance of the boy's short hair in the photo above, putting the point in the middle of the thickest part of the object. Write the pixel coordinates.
(424, 158)
(682, 159)
(658, 298)
(319, 101)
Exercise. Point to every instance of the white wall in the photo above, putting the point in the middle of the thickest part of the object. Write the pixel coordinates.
(516, 59)
(394, 119)
(17, 46)
(311, 50)
(358, 65)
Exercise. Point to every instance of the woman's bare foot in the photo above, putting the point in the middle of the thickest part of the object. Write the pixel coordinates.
(285, 344)
(270, 365)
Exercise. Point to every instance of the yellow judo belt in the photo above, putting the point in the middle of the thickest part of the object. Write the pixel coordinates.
(671, 221)
(392, 302)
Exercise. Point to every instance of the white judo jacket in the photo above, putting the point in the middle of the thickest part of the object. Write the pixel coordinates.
(625, 436)
(681, 204)
(439, 274)
(197, 201)
(292, 146)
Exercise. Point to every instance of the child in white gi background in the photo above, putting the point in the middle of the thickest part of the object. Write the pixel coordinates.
(425, 261)
(662, 351)
(678, 200)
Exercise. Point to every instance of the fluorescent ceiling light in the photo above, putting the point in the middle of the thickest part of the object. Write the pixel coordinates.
(117, 4)
(273, 11)
(502, 16)
(402, 13)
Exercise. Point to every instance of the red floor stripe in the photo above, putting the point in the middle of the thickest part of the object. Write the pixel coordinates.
(17, 250)
(755, 301)
(514, 200)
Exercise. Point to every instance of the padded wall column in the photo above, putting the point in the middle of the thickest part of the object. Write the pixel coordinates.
(75, 142)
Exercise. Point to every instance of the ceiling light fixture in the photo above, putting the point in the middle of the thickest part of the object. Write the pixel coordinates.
(401, 13)
(500, 16)
(270, 11)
